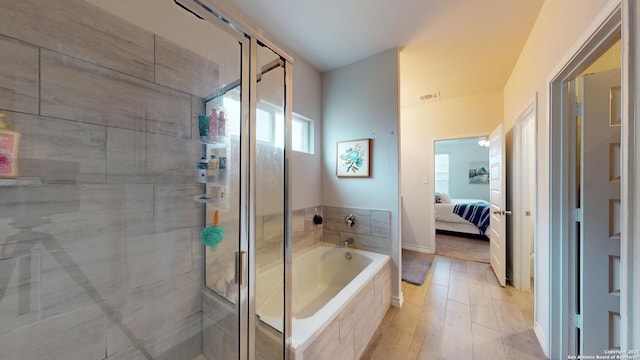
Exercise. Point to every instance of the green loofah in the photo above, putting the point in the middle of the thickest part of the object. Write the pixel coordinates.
(212, 236)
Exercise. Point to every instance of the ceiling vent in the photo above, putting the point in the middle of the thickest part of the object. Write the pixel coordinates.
(431, 96)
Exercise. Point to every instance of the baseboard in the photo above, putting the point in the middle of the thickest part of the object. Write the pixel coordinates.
(422, 249)
(397, 301)
(541, 338)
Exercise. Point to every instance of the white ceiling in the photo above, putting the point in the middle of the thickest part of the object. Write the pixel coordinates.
(457, 47)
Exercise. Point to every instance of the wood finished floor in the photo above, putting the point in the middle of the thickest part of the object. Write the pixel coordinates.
(460, 312)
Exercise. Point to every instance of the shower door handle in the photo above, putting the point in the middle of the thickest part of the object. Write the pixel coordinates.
(241, 268)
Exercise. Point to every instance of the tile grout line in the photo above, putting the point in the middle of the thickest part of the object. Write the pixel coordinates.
(500, 324)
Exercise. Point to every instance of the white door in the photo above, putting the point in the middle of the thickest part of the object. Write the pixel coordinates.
(497, 220)
(600, 199)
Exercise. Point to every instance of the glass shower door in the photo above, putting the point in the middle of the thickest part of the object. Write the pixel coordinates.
(245, 196)
(223, 130)
(270, 204)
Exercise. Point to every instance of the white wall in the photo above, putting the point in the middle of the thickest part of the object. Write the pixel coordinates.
(421, 126)
(361, 101)
(306, 174)
(558, 28)
(461, 153)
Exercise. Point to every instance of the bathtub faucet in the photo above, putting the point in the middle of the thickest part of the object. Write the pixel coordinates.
(347, 242)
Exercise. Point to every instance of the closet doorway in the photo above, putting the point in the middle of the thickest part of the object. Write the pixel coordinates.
(461, 184)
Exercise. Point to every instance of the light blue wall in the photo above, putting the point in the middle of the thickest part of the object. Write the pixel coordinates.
(361, 101)
(461, 152)
(306, 175)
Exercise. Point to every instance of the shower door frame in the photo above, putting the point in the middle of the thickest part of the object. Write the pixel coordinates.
(248, 39)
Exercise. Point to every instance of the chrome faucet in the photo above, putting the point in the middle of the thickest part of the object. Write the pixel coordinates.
(346, 246)
(347, 242)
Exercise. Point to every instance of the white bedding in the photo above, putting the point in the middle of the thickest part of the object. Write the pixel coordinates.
(444, 212)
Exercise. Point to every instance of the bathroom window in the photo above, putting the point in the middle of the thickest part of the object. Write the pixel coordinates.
(302, 134)
(442, 173)
(270, 125)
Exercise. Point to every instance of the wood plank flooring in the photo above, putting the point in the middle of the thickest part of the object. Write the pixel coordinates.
(460, 312)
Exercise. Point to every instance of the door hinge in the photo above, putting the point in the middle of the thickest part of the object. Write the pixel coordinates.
(577, 320)
(577, 215)
(578, 109)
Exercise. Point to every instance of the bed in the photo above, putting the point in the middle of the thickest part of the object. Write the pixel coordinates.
(449, 216)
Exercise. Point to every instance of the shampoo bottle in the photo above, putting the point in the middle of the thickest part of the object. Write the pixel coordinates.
(9, 141)
(221, 124)
(213, 125)
(203, 165)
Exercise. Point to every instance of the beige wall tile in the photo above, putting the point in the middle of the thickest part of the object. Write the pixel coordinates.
(18, 76)
(20, 284)
(155, 312)
(335, 220)
(298, 223)
(77, 90)
(57, 150)
(219, 329)
(304, 241)
(361, 317)
(381, 223)
(76, 28)
(147, 259)
(197, 253)
(269, 342)
(331, 236)
(73, 216)
(369, 243)
(179, 341)
(181, 69)
(197, 109)
(59, 337)
(175, 208)
(139, 157)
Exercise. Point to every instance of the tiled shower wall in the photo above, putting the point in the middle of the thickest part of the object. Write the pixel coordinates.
(99, 250)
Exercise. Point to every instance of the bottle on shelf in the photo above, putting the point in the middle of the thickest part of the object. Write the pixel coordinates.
(213, 162)
(203, 165)
(9, 140)
(213, 125)
(221, 124)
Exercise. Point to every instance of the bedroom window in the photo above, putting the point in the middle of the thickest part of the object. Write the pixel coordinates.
(442, 173)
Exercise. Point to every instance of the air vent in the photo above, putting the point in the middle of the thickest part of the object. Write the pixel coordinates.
(431, 96)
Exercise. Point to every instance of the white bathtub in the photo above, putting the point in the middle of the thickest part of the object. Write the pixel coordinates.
(324, 281)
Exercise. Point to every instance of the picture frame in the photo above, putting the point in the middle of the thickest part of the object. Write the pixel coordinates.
(353, 158)
(479, 172)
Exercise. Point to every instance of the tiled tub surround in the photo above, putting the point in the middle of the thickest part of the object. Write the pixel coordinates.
(373, 232)
(102, 259)
(343, 326)
(328, 289)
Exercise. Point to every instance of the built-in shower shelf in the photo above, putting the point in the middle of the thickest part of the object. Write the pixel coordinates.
(20, 182)
(221, 143)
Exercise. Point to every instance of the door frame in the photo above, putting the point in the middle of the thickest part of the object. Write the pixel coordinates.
(431, 235)
(521, 256)
(617, 15)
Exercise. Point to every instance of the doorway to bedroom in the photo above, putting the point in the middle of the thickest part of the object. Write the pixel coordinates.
(461, 183)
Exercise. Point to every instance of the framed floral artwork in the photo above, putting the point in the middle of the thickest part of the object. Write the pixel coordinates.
(353, 158)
